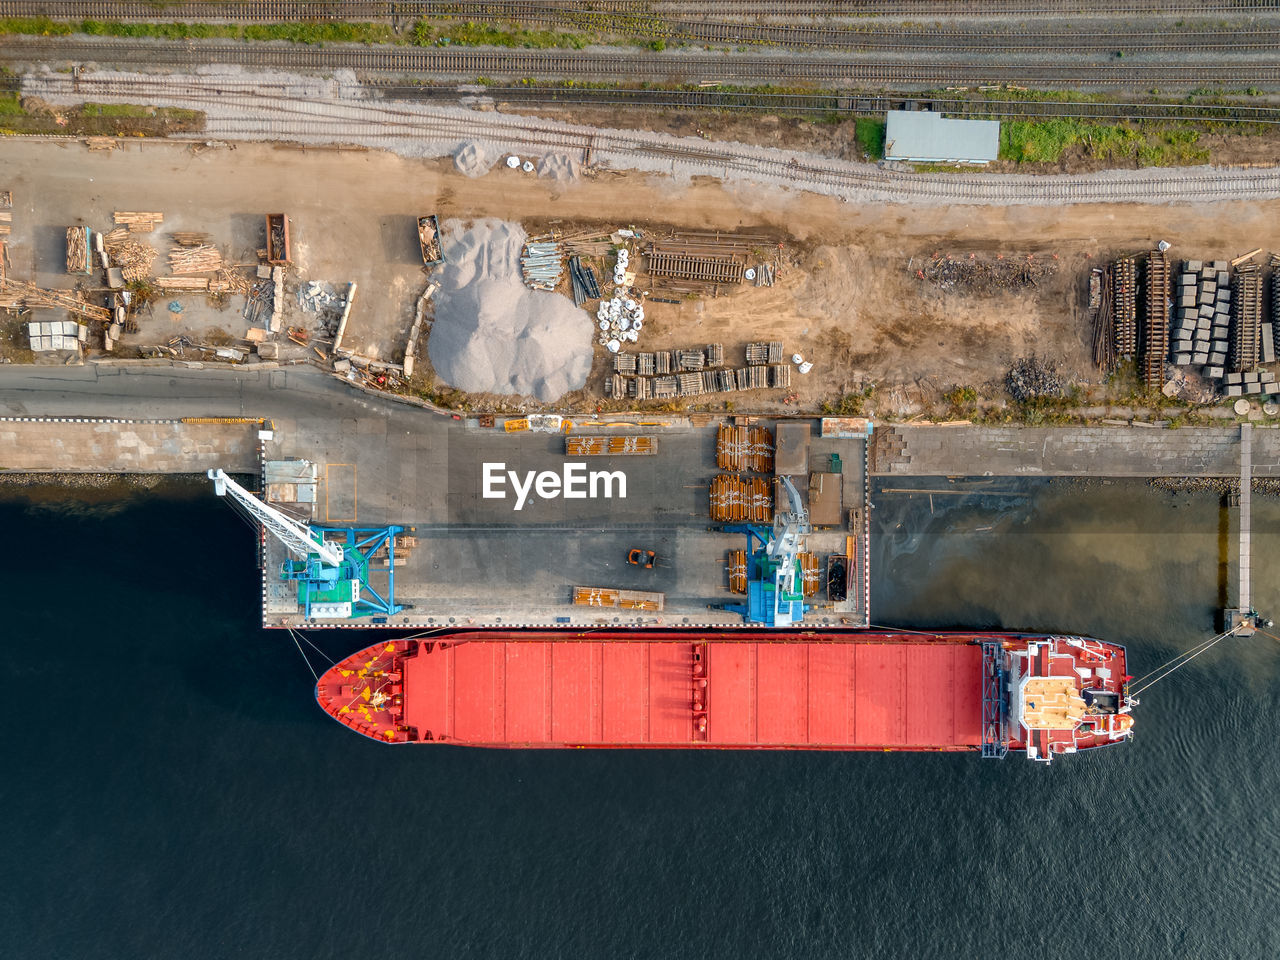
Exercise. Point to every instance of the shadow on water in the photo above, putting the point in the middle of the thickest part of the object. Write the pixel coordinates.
(1224, 555)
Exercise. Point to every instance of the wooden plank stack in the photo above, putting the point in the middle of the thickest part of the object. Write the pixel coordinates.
(138, 221)
(578, 446)
(77, 250)
(34, 296)
(618, 599)
(764, 352)
(183, 284)
(133, 257)
(202, 259)
(189, 238)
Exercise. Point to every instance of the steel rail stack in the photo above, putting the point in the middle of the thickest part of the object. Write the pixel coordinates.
(1246, 326)
(1125, 305)
(1155, 316)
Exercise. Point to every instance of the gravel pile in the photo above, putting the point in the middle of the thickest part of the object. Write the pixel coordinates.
(491, 333)
(1031, 378)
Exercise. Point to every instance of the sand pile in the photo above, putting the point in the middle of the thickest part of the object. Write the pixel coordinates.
(494, 335)
(472, 160)
(559, 167)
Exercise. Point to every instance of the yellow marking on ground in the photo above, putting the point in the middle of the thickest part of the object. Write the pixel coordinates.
(328, 484)
(390, 648)
(364, 694)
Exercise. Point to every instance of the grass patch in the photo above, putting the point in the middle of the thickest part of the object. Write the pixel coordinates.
(470, 34)
(308, 33)
(870, 135)
(36, 26)
(1045, 141)
(97, 119)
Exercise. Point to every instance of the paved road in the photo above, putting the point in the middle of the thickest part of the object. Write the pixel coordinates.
(1074, 451)
(160, 392)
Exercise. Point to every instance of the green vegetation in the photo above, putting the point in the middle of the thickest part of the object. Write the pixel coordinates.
(96, 119)
(849, 404)
(961, 401)
(311, 33)
(36, 26)
(116, 110)
(870, 134)
(1151, 145)
(471, 34)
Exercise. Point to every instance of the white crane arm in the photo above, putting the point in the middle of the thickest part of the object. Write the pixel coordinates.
(789, 528)
(298, 538)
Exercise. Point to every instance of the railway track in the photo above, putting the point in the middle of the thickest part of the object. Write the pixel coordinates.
(660, 68)
(849, 104)
(253, 11)
(861, 37)
(235, 114)
(817, 104)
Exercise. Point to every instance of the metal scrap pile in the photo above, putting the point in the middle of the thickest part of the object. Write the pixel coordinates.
(985, 276)
(1031, 378)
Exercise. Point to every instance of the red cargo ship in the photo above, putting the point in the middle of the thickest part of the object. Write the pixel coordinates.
(1045, 695)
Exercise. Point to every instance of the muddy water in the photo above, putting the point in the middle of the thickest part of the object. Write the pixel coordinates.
(170, 788)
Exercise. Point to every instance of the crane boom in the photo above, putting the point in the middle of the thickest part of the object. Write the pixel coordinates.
(789, 528)
(298, 538)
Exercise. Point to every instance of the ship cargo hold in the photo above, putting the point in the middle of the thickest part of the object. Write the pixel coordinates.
(987, 693)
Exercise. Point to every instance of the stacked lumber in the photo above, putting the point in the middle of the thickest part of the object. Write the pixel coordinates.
(33, 296)
(618, 599)
(77, 250)
(133, 257)
(235, 282)
(189, 238)
(576, 446)
(202, 259)
(808, 563)
(764, 352)
(735, 500)
(183, 284)
(745, 448)
(137, 221)
(737, 571)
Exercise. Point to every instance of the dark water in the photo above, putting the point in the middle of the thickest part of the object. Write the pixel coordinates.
(171, 790)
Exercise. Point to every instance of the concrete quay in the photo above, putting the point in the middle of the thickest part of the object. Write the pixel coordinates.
(87, 445)
(1112, 451)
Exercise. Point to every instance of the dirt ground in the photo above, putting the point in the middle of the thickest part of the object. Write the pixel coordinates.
(847, 295)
